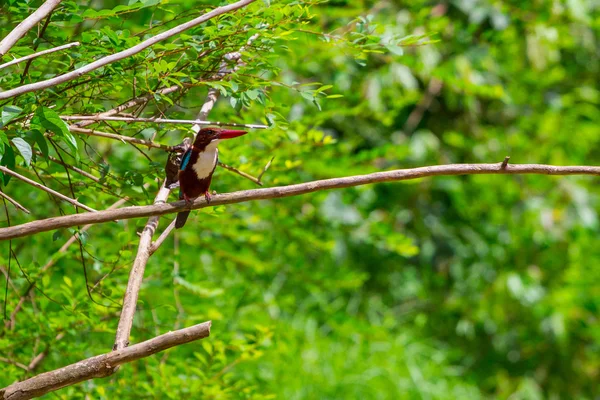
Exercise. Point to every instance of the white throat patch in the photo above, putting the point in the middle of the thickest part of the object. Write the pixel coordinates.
(205, 164)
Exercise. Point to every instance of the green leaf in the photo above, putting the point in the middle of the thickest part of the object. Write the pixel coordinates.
(41, 142)
(24, 148)
(9, 113)
(8, 160)
(52, 122)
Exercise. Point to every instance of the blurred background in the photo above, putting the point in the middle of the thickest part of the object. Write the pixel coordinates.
(447, 287)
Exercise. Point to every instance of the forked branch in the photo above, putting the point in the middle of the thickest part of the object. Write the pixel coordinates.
(102, 365)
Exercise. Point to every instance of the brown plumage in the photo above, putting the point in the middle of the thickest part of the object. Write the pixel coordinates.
(197, 166)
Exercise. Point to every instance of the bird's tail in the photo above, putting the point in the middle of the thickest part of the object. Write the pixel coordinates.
(181, 218)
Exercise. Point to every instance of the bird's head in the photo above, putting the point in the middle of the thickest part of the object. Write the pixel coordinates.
(207, 136)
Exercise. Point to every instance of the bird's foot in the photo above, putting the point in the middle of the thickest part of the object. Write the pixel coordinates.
(188, 201)
(207, 197)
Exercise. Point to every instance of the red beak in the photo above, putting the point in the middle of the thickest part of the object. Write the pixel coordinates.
(228, 134)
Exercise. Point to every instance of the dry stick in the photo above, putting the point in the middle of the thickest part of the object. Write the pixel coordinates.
(52, 261)
(14, 202)
(20, 30)
(145, 247)
(72, 168)
(136, 275)
(45, 188)
(243, 196)
(102, 365)
(39, 53)
(157, 121)
(241, 173)
(122, 54)
(114, 136)
(134, 102)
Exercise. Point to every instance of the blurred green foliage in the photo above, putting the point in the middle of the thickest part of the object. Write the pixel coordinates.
(452, 287)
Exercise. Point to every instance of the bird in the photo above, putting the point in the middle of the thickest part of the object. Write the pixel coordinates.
(198, 164)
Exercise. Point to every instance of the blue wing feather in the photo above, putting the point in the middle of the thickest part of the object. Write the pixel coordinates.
(185, 160)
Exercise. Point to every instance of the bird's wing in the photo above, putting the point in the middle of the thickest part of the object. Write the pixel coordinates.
(185, 160)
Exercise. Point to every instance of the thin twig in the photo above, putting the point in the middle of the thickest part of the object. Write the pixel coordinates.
(243, 196)
(241, 173)
(38, 54)
(72, 168)
(45, 188)
(136, 101)
(157, 121)
(136, 275)
(158, 242)
(145, 247)
(114, 136)
(122, 54)
(265, 170)
(20, 30)
(102, 365)
(14, 202)
(53, 261)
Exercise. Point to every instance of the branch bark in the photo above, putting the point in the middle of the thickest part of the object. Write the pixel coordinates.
(157, 121)
(122, 54)
(20, 30)
(45, 188)
(146, 248)
(102, 365)
(49, 224)
(38, 54)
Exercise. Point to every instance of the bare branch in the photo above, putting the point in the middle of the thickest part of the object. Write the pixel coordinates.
(136, 101)
(39, 53)
(158, 242)
(291, 190)
(45, 188)
(20, 30)
(241, 173)
(102, 365)
(72, 168)
(122, 54)
(157, 121)
(137, 275)
(124, 139)
(14, 202)
(53, 261)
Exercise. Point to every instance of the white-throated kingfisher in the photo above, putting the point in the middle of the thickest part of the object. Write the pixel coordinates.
(197, 166)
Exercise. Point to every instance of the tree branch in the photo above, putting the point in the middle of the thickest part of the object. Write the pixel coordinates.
(102, 365)
(136, 275)
(122, 54)
(38, 54)
(49, 224)
(45, 188)
(114, 136)
(20, 30)
(14, 202)
(157, 121)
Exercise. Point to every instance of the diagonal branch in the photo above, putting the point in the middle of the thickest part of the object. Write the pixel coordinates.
(20, 30)
(243, 196)
(45, 188)
(114, 136)
(102, 365)
(14, 202)
(38, 54)
(122, 54)
(157, 121)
